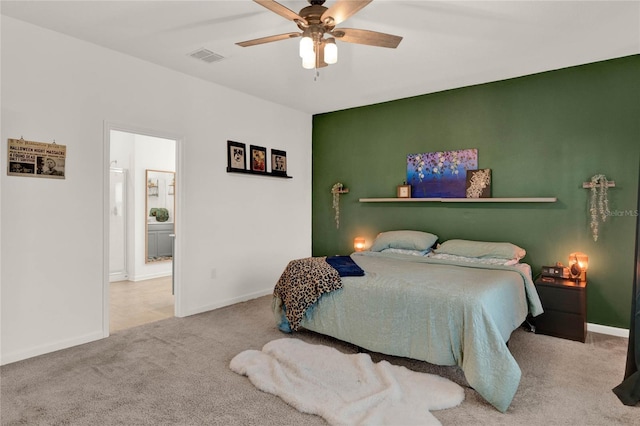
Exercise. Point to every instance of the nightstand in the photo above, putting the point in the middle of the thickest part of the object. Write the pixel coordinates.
(565, 308)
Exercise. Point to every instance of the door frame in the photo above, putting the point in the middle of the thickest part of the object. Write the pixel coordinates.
(177, 255)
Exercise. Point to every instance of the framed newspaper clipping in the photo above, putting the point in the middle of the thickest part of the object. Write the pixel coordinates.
(36, 159)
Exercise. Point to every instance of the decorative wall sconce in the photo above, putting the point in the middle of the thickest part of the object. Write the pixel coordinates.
(578, 265)
(599, 202)
(336, 190)
(358, 244)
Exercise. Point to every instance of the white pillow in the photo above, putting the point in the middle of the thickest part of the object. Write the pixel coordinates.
(483, 260)
(406, 251)
(483, 249)
(408, 240)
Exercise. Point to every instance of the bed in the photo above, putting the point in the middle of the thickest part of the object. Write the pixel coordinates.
(438, 307)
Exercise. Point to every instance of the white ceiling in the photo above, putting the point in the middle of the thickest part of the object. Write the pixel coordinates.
(446, 44)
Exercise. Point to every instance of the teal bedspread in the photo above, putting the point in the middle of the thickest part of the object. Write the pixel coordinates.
(442, 312)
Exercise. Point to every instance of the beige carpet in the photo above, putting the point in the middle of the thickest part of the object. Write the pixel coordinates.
(176, 372)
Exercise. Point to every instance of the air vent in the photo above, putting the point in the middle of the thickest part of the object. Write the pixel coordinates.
(206, 55)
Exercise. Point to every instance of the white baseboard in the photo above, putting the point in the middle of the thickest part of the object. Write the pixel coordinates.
(52, 347)
(228, 302)
(150, 276)
(605, 329)
(118, 277)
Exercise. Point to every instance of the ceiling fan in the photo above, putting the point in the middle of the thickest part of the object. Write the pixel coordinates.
(316, 21)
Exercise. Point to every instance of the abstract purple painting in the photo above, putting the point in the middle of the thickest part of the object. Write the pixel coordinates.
(440, 174)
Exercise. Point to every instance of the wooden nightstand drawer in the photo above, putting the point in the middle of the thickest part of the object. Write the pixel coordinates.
(561, 299)
(562, 324)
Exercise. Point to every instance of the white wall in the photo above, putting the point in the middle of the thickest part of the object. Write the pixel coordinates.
(245, 227)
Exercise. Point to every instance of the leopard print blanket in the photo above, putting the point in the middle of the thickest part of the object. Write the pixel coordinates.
(301, 285)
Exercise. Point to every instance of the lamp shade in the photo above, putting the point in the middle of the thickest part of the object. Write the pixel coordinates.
(578, 265)
(358, 243)
(330, 51)
(306, 47)
(309, 62)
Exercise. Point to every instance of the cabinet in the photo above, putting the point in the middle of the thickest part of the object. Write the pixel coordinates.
(565, 308)
(159, 240)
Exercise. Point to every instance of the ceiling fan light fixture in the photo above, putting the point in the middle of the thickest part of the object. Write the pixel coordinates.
(306, 46)
(316, 21)
(309, 62)
(330, 51)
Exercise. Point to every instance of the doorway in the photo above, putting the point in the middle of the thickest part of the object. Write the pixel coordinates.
(143, 199)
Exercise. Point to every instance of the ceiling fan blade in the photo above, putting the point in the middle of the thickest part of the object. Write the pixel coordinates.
(342, 9)
(281, 10)
(268, 39)
(371, 38)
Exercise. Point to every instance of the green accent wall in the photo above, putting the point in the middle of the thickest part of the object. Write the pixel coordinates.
(541, 135)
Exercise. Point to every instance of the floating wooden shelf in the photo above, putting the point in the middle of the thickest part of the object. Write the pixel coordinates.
(461, 200)
(251, 172)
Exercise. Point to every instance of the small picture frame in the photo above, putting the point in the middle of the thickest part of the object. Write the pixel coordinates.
(478, 184)
(236, 156)
(278, 162)
(258, 158)
(404, 191)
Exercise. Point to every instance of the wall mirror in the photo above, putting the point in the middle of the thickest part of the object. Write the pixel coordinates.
(160, 215)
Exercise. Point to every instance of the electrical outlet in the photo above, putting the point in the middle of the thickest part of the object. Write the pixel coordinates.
(214, 273)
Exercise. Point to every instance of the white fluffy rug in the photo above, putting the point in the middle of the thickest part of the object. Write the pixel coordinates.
(346, 389)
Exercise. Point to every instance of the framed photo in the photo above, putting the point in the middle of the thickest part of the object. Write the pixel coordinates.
(478, 183)
(278, 162)
(36, 159)
(404, 191)
(258, 159)
(236, 156)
